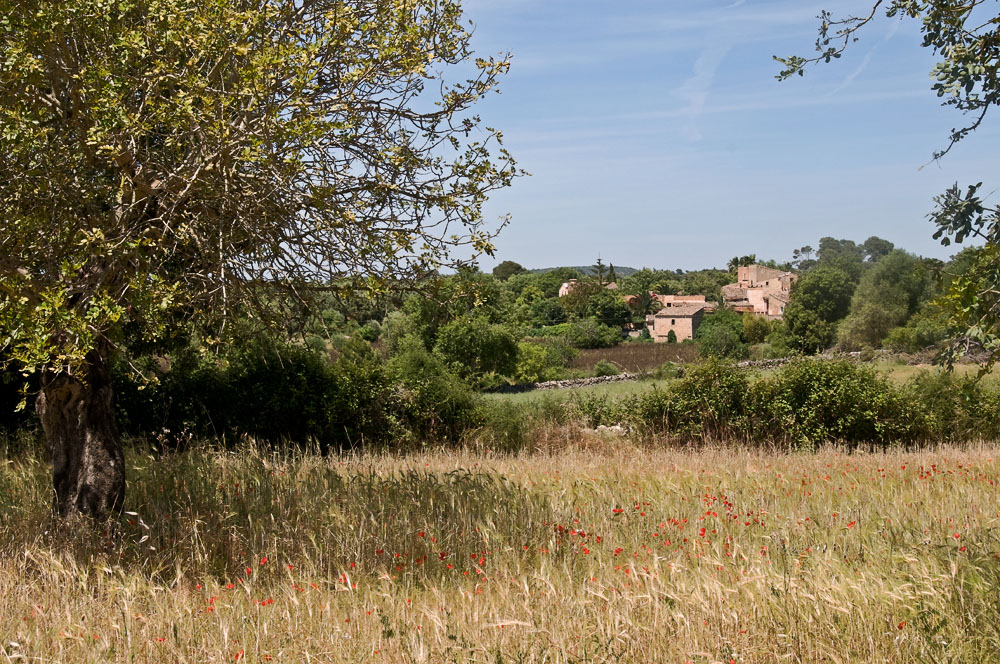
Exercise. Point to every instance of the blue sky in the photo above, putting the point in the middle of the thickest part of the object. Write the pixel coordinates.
(657, 135)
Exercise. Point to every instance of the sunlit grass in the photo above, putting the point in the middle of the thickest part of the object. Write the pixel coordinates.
(611, 554)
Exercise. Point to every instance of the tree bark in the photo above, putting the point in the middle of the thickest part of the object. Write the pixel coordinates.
(78, 417)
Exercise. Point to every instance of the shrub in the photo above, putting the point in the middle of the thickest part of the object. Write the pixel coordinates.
(537, 362)
(604, 368)
(477, 349)
(588, 333)
(671, 337)
(370, 331)
(722, 342)
(432, 401)
(755, 328)
(271, 393)
(720, 335)
(954, 408)
(709, 401)
(810, 402)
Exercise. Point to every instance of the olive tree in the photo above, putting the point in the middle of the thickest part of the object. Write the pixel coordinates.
(187, 160)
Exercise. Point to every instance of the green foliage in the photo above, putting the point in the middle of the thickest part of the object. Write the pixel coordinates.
(876, 249)
(287, 393)
(756, 328)
(887, 295)
(434, 404)
(507, 269)
(709, 401)
(176, 163)
(720, 335)
(446, 299)
(844, 255)
(664, 282)
(819, 299)
(477, 350)
(706, 282)
(538, 362)
(547, 312)
(589, 333)
(605, 368)
(954, 408)
(671, 336)
(810, 402)
(609, 308)
(370, 331)
(926, 328)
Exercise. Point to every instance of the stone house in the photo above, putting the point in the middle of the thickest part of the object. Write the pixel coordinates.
(681, 317)
(759, 290)
(680, 313)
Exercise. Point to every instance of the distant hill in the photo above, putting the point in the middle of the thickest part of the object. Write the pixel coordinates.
(620, 270)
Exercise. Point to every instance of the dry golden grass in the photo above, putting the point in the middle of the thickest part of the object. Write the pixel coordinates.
(604, 554)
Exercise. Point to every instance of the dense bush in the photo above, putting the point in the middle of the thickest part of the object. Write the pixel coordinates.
(537, 362)
(709, 401)
(809, 402)
(756, 328)
(477, 350)
(928, 327)
(720, 335)
(271, 393)
(588, 333)
(954, 408)
(431, 402)
(804, 404)
(604, 368)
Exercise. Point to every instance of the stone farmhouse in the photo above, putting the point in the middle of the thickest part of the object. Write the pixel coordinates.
(680, 313)
(759, 290)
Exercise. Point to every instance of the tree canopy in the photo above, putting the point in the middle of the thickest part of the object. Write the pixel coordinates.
(965, 35)
(170, 160)
(184, 155)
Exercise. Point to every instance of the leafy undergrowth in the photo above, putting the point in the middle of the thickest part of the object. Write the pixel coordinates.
(613, 554)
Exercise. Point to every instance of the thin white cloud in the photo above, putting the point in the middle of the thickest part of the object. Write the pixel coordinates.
(893, 29)
(696, 89)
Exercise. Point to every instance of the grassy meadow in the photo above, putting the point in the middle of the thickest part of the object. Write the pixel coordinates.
(589, 549)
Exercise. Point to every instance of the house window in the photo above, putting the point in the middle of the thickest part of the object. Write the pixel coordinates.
(673, 321)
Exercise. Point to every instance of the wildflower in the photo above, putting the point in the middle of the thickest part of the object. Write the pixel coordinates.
(240, 655)
(263, 561)
(901, 625)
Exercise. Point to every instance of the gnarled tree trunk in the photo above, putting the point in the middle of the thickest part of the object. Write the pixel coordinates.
(78, 417)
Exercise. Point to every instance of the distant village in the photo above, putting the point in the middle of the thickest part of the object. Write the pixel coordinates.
(758, 290)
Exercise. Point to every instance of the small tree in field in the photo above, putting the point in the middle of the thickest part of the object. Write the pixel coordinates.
(187, 160)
